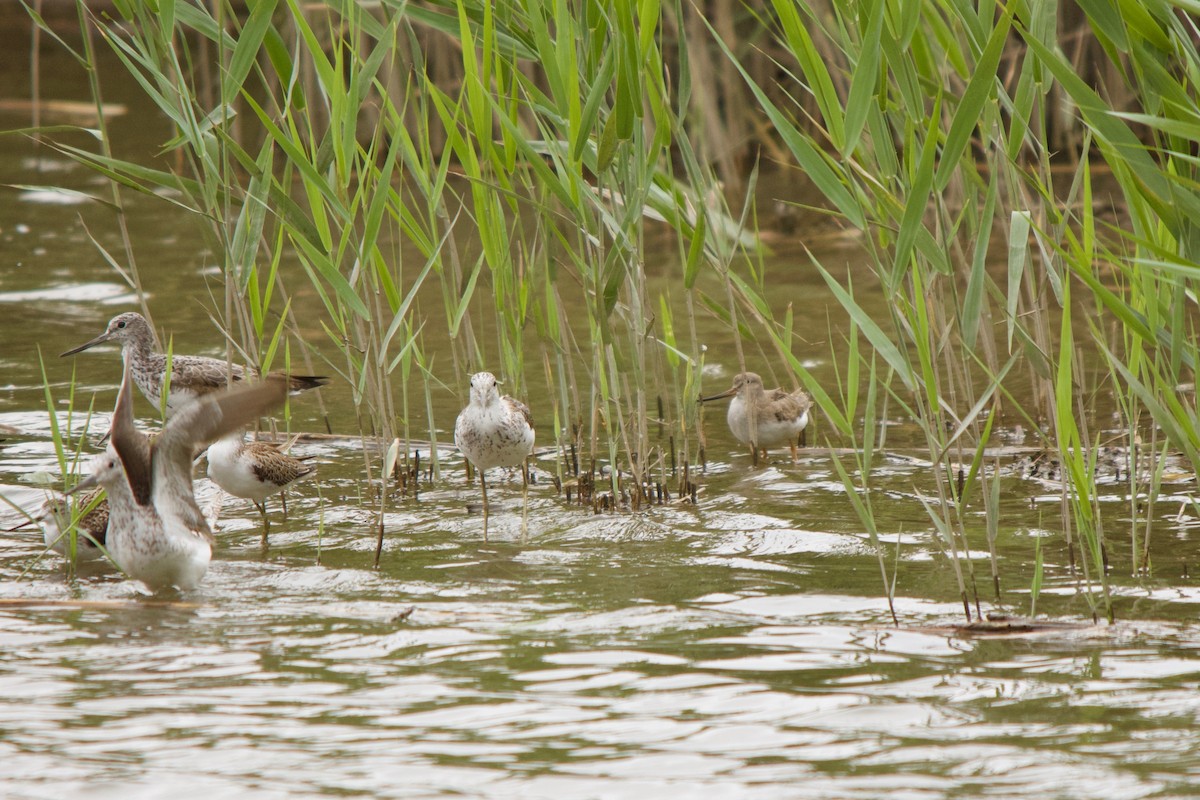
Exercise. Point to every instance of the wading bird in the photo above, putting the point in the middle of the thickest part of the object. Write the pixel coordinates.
(191, 376)
(763, 419)
(494, 430)
(156, 531)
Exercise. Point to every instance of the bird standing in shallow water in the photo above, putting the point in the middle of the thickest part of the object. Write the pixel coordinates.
(91, 528)
(254, 471)
(764, 419)
(494, 430)
(191, 376)
(156, 531)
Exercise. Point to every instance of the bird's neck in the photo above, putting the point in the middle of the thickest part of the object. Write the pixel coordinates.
(139, 348)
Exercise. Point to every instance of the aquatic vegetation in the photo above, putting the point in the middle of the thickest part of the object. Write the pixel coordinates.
(942, 160)
(325, 151)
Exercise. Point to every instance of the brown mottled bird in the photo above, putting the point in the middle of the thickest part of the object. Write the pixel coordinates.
(254, 470)
(764, 419)
(55, 518)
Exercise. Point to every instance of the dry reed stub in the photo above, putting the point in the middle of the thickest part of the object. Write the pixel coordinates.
(406, 480)
(687, 487)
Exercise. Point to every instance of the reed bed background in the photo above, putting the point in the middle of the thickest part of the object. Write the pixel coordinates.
(367, 138)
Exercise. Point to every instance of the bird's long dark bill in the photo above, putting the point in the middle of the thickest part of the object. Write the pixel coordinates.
(101, 339)
(86, 483)
(727, 393)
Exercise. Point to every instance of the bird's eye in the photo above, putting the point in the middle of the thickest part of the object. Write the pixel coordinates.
(121, 324)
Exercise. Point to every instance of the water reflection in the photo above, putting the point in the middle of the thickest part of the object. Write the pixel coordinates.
(717, 651)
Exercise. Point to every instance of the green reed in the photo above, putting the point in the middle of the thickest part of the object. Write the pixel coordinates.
(68, 446)
(321, 144)
(906, 127)
(478, 209)
(859, 493)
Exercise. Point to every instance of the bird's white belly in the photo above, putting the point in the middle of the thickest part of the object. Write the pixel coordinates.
(159, 559)
(768, 433)
(235, 475)
(60, 542)
(492, 440)
(176, 398)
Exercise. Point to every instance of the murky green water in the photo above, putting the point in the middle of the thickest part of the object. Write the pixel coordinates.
(740, 648)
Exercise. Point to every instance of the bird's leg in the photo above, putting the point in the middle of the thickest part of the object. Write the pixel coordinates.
(754, 455)
(215, 507)
(524, 499)
(266, 523)
(483, 485)
(793, 452)
(283, 502)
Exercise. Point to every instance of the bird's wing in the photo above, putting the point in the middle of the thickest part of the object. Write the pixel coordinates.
(519, 406)
(204, 374)
(132, 446)
(217, 415)
(786, 406)
(270, 464)
(202, 422)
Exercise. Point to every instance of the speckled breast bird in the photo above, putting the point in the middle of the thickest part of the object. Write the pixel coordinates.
(55, 519)
(156, 531)
(494, 430)
(191, 376)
